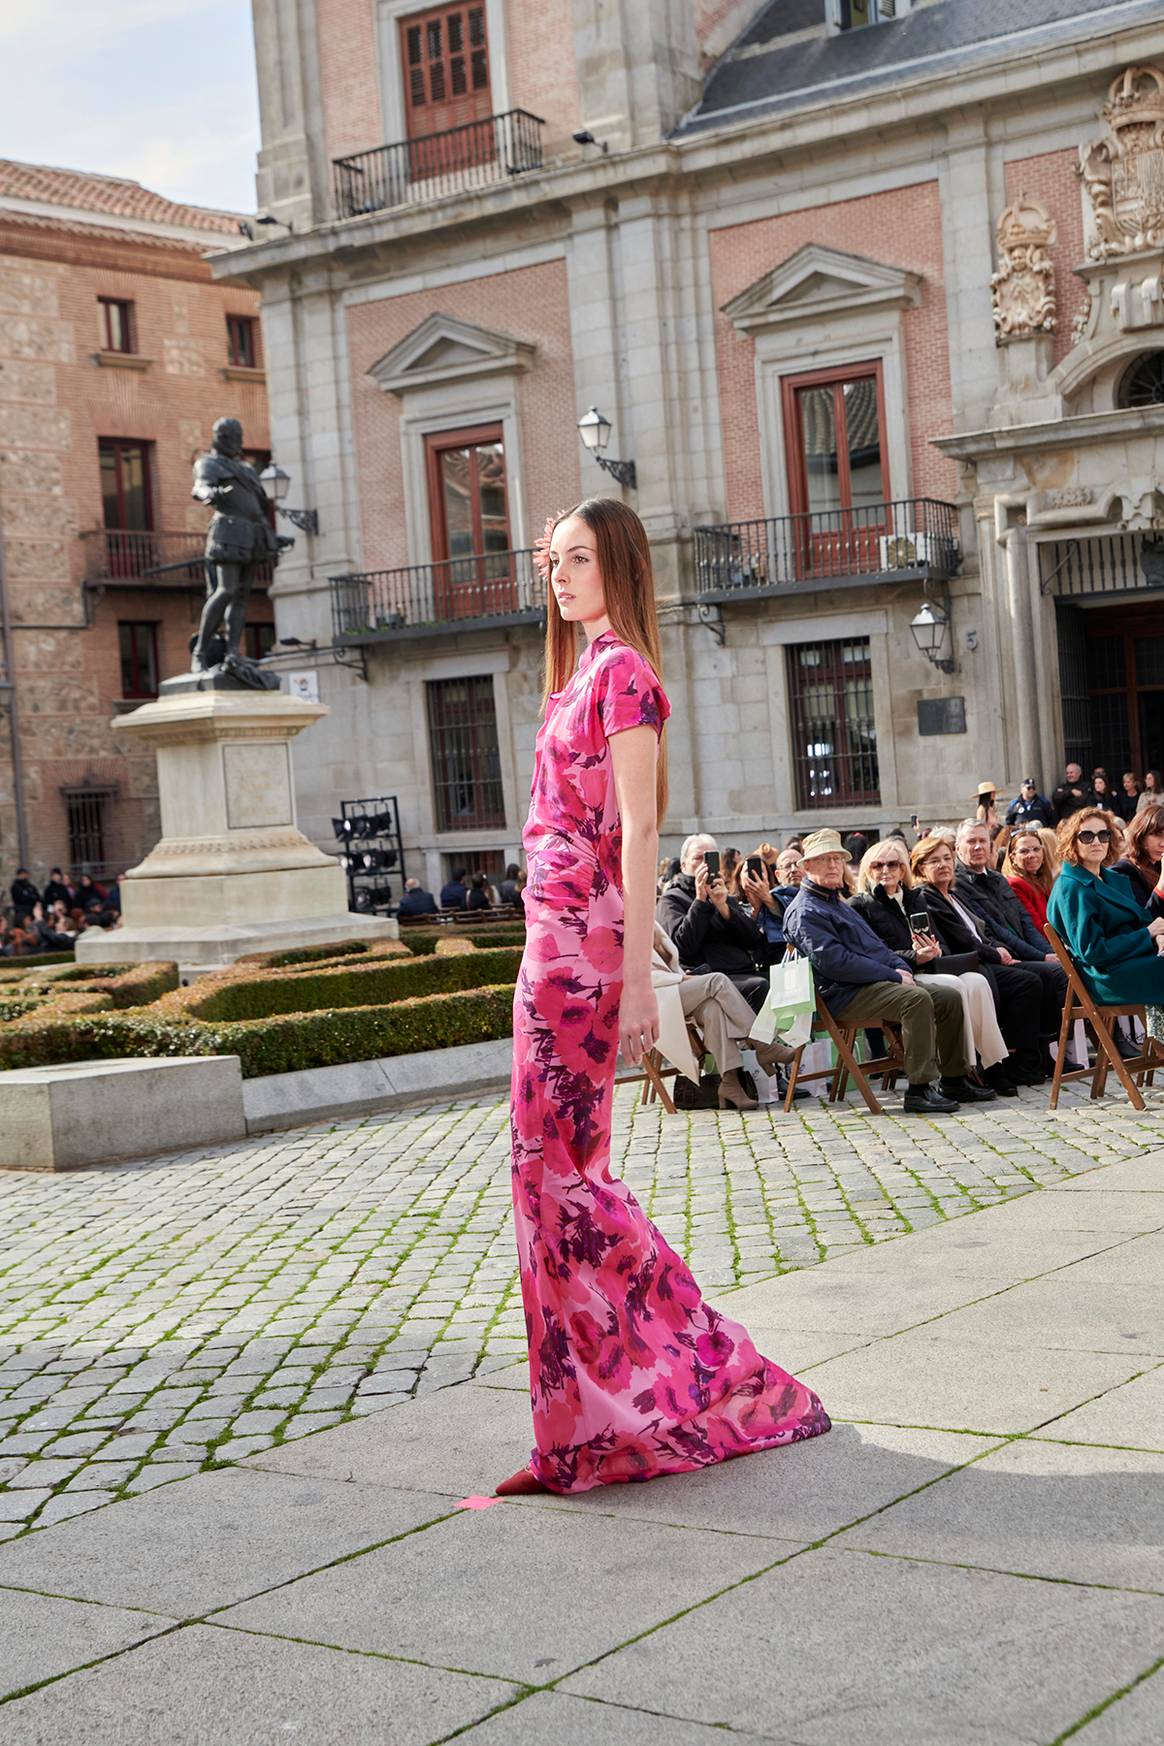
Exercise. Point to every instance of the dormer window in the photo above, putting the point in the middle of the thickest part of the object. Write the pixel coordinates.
(856, 14)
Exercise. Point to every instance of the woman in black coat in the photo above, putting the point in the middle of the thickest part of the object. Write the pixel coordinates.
(1017, 991)
(1141, 862)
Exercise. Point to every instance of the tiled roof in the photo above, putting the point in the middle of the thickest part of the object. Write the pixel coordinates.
(763, 72)
(106, 197)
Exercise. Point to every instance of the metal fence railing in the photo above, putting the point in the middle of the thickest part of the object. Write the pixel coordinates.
(372, 604)
(438, 164)
(914, 536)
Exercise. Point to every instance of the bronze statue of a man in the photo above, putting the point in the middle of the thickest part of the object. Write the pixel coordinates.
(239, 539)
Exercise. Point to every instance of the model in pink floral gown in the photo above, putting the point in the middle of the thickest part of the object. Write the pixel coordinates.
(631, 1373)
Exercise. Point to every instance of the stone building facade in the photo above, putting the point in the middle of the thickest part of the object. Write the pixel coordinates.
(117, 353)
(884, 355)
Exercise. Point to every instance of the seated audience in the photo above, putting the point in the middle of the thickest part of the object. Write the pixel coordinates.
(90, 896)
(454, 891)
(1152, 793)
(1071, 793)
(507, 890)
(714, 1003)
(862, 981)
(1009, 927)
(1101, 792)
(1142, 861)
(1127, 795)
(24, 892)
(1114, 943)
(1029, 806)
(712, 930)
(416, 900)
(1017, 990)
(479, 894)
(899, 916)
(1025, 869)
(48, 938)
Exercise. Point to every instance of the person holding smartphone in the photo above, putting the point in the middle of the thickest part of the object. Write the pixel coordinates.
(711, 929)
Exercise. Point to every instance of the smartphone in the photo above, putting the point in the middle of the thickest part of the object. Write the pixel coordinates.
(913, 820)
(920, 924)
(712, 860)
(755, 866)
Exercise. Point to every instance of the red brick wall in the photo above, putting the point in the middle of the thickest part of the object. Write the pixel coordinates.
(542, 74)
(54, 405)
(348, 76)
(1051, 177)
(901, 228)
(532, 303)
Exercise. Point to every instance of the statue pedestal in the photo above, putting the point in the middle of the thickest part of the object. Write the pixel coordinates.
(232, 873)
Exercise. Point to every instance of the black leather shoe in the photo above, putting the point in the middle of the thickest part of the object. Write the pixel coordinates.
(782, 1087)
(1000, 1081)
(964, 1091)
(1023, 1075)
(928, 1100)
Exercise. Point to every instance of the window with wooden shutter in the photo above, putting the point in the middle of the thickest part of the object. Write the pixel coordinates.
(444, 54)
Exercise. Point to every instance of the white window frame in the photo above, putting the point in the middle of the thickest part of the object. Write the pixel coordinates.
(834, 13)
(388, 16)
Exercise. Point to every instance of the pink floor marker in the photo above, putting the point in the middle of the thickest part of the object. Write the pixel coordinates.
(476, 1503)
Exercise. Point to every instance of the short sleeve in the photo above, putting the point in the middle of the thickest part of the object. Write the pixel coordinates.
(629, 694)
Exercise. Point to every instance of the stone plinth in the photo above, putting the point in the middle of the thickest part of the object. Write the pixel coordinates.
(232, 873)
(89, 1112)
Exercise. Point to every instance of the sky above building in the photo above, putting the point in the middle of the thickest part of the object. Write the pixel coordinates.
(160, 90)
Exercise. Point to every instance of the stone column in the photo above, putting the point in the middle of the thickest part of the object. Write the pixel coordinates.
(291, 182)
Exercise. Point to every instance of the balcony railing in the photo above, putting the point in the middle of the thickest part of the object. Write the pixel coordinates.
(438, 164)
(125, 557)
(877, 542)
(454, 594)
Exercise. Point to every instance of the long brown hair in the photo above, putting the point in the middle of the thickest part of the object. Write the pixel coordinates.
(1044, 875)
(628, 584)
(1147, 821)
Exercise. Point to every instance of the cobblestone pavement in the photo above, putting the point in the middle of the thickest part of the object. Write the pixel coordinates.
(163, 1316)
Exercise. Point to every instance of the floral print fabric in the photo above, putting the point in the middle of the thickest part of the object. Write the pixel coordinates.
(631, 1373)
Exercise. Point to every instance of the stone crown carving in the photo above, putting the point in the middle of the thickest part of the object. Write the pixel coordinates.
(1023, 289)
(1124, 171)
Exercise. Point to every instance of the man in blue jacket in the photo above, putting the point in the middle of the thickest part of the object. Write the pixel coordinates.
(861, 981)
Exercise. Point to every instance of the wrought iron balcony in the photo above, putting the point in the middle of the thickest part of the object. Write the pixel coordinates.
(126, 557)
(912, 539)
(456, 594)
(438, 164)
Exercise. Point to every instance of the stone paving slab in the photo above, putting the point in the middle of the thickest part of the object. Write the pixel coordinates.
(1073, 1312)
(848, 1646)
(1136, 1719)
(210, 1540)
(1129, 1417)
(1141, 1174)
(1037, 1509)
(207, 1687)
(42, 1636)
(203, 1306)
(492, 1591)
(920, 1379)
(847, 1297)
(571, 1721)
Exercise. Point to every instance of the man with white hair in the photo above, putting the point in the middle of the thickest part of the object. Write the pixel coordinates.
(416, 900)
(711, 930)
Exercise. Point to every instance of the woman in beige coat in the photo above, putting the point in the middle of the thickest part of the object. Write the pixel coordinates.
(723, 1016)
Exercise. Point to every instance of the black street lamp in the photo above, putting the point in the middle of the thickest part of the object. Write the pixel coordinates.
(595, 430)
(930, 626)
(275, 483)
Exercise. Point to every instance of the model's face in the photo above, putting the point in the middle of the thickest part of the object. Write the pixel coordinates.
(938, 867)
(975, 849)
(1027, 854)
(887, 871)
(789, 868)
(826, 870)
(1092, 841)
(574, 574)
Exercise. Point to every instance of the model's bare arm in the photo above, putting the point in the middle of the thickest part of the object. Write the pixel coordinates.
(633, 756)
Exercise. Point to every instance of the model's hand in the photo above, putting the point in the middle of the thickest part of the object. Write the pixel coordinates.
(638, 1021)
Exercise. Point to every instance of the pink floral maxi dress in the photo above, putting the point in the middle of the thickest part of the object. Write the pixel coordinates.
(631, 1373)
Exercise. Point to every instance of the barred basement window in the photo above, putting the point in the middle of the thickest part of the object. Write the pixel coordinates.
(834, 736)
(466, 759)
(86, 814)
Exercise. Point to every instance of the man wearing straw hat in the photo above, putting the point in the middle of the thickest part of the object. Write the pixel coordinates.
(861, 981)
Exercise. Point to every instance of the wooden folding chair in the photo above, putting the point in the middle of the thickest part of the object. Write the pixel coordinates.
(846, 1066)
(655, 1071)
(1079, 1004)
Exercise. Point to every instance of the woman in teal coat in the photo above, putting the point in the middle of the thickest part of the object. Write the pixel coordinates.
(1101, 923)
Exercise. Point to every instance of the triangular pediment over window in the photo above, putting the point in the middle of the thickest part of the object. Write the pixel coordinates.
(443, 349)
(818, 281)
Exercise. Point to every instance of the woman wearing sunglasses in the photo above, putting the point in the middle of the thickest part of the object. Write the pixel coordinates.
(1100, 920)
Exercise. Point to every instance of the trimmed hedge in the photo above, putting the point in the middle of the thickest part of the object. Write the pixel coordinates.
(422, 941)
